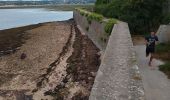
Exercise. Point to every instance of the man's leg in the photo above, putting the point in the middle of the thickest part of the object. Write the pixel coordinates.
(147, 51)
(150, 60)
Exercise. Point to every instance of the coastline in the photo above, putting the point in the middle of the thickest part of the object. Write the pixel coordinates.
(50, 50)
(57, 7)
(41, 44)
(11, 39)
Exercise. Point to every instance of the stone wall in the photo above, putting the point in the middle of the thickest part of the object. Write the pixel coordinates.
(118, 77)
(163, 33)
(95, 30)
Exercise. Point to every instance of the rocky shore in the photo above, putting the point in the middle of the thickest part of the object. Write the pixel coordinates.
(47, 61)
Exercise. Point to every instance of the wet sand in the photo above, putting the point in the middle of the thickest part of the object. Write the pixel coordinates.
(51, 60)
(11, 39)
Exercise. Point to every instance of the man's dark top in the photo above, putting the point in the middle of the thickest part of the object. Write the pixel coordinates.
(150, 47)
(151, 40)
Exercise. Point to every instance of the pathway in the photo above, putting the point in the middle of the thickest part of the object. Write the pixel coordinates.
(156, 84)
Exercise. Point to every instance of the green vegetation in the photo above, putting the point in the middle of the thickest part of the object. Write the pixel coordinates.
(165, 68)
(94, 16)
(99, 18)
(109, 26)
(163, 52)
(91, 15)
(163, 48)
(141, 15)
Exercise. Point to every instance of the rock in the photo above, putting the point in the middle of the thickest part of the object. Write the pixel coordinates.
(35, 90)
(93, 74)
(23, 56)
(90, 78)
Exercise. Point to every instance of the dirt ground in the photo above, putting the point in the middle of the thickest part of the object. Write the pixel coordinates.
(47, 61)
(138, 39)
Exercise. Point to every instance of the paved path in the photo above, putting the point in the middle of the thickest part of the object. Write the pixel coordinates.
(156, 84)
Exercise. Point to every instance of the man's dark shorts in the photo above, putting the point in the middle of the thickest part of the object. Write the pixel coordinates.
(149, 50)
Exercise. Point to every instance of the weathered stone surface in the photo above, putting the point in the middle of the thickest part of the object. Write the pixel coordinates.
(164, 33)
(95, 30)
(118, 77)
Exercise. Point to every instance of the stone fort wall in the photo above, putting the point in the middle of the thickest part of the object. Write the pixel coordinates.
(118, 77)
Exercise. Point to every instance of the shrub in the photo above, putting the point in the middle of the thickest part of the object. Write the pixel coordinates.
(109, 26)
(96, 17)
(99, 18)
(90, 15)
(163, 47)
(166, 19)
(165, 67)
(141, 15)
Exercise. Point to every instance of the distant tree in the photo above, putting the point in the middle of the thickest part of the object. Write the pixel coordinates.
(142, 15)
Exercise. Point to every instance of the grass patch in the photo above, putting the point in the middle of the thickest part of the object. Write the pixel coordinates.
(163, 52)
(109, 26)
(99, 18)
(165, 68)
(163, 47)
(90, 15)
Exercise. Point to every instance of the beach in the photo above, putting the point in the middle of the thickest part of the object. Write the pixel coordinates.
(35, 59)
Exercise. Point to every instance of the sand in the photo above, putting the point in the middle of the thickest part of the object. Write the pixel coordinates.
(42, 46)
(47, 61)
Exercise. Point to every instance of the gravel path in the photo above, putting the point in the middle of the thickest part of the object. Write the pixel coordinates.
(156, 83)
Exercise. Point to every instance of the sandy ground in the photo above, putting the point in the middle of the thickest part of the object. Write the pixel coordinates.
(75, 71)
(52, 61)
(43, 47)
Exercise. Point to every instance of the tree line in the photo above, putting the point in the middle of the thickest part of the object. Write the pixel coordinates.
(142, 16)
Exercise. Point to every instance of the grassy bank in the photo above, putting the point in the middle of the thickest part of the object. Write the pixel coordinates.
(163, 52)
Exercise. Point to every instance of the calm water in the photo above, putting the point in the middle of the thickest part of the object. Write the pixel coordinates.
(10, 18)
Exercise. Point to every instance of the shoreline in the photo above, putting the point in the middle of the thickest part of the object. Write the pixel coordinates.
(16, 34)
(41, 44)
(46, 70)
(58, 7)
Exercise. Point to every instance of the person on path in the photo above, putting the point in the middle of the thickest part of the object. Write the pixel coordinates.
(151, 40)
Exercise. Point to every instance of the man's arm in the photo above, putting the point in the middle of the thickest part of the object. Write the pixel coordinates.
(146, 41)
(157, 40)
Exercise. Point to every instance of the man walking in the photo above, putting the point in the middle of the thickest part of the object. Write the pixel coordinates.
(150, 46)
